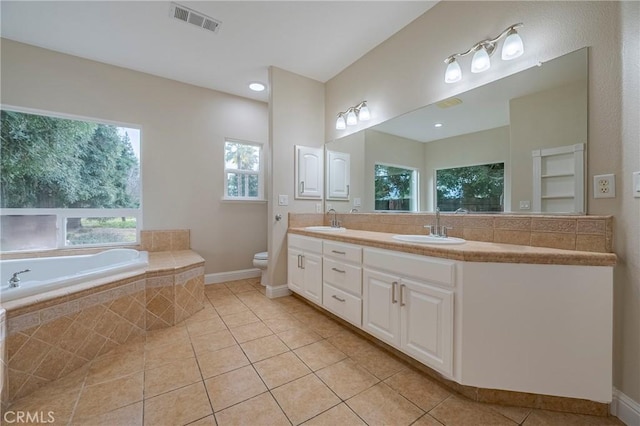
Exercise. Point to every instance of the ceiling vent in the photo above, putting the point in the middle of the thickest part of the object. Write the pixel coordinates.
(192, 17)
(448, 103)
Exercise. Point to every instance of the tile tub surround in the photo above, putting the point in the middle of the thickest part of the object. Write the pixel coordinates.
(53, 334)
(298, 366)
(581, 233)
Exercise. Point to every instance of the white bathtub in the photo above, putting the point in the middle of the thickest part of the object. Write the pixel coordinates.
(50, 273)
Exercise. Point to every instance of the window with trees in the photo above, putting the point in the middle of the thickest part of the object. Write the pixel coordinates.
(67, 182)
(243, 171)
(396, 188)
(474, 188)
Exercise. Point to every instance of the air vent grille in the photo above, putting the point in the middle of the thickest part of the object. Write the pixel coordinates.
(192, 17)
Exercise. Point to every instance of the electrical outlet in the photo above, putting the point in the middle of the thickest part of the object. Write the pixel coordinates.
(604, 186)
(357, 202)
(283, 200)
(525, 205)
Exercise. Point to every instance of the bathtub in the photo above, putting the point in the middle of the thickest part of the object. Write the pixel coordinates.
(50, 273)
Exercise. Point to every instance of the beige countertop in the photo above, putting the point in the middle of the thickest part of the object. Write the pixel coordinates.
(161, 261)
(470, 251)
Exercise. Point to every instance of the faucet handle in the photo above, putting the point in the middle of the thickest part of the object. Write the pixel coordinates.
(430, 228)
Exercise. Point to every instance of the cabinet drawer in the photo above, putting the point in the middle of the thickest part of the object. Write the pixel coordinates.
(343, 276)
(424, 268)
(348, 252)
(342, 304)
(305, 243)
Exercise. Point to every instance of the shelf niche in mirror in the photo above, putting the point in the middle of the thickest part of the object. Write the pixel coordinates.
(505, 121)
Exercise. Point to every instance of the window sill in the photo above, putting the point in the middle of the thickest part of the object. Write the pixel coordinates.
(243, 200)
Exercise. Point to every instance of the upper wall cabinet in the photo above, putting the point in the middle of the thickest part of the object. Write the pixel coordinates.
(338, 175)
(309, 167)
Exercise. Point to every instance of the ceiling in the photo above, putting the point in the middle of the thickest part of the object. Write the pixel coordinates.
(316, 39)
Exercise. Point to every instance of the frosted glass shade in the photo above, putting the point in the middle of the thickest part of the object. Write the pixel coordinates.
(340, 123)
(453, 72)
(480, 61)
(364, 114)
(512, 47)
(352, 120)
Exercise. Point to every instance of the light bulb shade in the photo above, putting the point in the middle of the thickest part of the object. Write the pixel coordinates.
(512, 47)
(363, 113)
(453, 72)
(340, 123)
(480, 61)
(352, 120)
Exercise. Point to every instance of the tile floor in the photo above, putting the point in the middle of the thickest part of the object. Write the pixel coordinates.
(249, 360)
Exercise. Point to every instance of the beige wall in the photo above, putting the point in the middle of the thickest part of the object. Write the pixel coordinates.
(406, 72)
(296, 118)
(183, 132)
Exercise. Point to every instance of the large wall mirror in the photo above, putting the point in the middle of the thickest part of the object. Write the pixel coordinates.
(515, 145)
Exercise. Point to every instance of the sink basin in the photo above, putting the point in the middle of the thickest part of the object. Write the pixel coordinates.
(428, 239)
(324, 229)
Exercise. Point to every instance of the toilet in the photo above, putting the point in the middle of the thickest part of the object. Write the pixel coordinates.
(260, 261)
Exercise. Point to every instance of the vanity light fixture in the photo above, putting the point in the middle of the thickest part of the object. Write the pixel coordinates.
(482, 51)
(352, 115)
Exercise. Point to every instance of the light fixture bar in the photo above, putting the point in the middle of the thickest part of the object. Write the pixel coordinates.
(352, 115)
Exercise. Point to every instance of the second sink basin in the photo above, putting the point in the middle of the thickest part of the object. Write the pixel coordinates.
(428, 239)
(324, 229)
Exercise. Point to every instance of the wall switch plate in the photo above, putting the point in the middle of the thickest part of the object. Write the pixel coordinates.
(636, 184)
(357, 202)
(283, 200)
(604, 186)
(318, 207)
(525, 205)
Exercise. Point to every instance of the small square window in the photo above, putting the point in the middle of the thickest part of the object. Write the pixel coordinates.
(243, 171)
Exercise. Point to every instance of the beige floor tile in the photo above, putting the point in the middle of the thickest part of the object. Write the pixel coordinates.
(339, 415)
(244, 333)
(269, 312)
(517, 414)
(259, 410)
(239, 286)
(427, 420)
(327, 327)
(202, 315)
(230, 307)
(240, 318)
(291, 303)
(108, 396)
(346, 378)
(205, 421)
(553, 418)
(349, 343)
(380, 405)
(158, 356)
(206, 326)
(177, 407)
(304, 398)
(320, 354)
(379, 363)
(263, 348)
(171, 376)
(417, 388)
(166, 336)
(115, 364)
(457, 411)
(233, 387)
(221, 361)
(298, 337)
(130, 415)
(60, 404)
(283, 323)
(212, 341)
(281, 369)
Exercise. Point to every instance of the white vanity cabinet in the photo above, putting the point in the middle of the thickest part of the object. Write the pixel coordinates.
(342, 280)
(305, 267)
(309, 172)
(408, 303)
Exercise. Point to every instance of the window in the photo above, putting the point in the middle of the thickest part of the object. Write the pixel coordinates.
(243, 171)
(67, 182)
(474, 188)
(396, 188)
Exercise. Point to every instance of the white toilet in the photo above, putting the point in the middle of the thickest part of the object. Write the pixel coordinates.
(260, 261)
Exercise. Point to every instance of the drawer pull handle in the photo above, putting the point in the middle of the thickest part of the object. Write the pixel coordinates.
(393, 292)
(338, 252)
(338, 270)
(402, 286)
(337, 298)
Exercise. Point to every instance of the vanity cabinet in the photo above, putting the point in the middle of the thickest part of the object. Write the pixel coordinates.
(305, 267)
(342, 280)
(408, 303)
(309, 172)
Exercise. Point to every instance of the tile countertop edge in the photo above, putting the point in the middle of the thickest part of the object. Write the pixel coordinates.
(471, 251)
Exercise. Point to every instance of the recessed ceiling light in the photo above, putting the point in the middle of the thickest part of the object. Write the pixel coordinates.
(256, 87)
(437, 125)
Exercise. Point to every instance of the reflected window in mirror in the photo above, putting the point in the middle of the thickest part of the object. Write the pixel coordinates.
(477, 188)
(396, 188)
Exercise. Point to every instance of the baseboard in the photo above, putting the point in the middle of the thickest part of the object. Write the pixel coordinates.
(277, 291)
(625, 408)
(222, 277)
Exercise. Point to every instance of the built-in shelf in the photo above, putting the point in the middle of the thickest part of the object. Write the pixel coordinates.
(558, 179)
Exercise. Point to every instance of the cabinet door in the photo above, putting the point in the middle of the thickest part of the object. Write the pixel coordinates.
(380, 315)
(294, 270)
(309, 172)
(312, 266)
(427, 324)
(338, 175)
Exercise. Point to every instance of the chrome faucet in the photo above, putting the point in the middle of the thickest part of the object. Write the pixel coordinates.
(334, 222)
(437, 230)
(353, 210)
(14, 281)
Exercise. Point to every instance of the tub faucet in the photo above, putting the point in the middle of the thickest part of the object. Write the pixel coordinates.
(14, 281)
(334, 222)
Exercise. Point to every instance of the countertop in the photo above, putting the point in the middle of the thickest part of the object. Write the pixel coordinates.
(470, 251)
